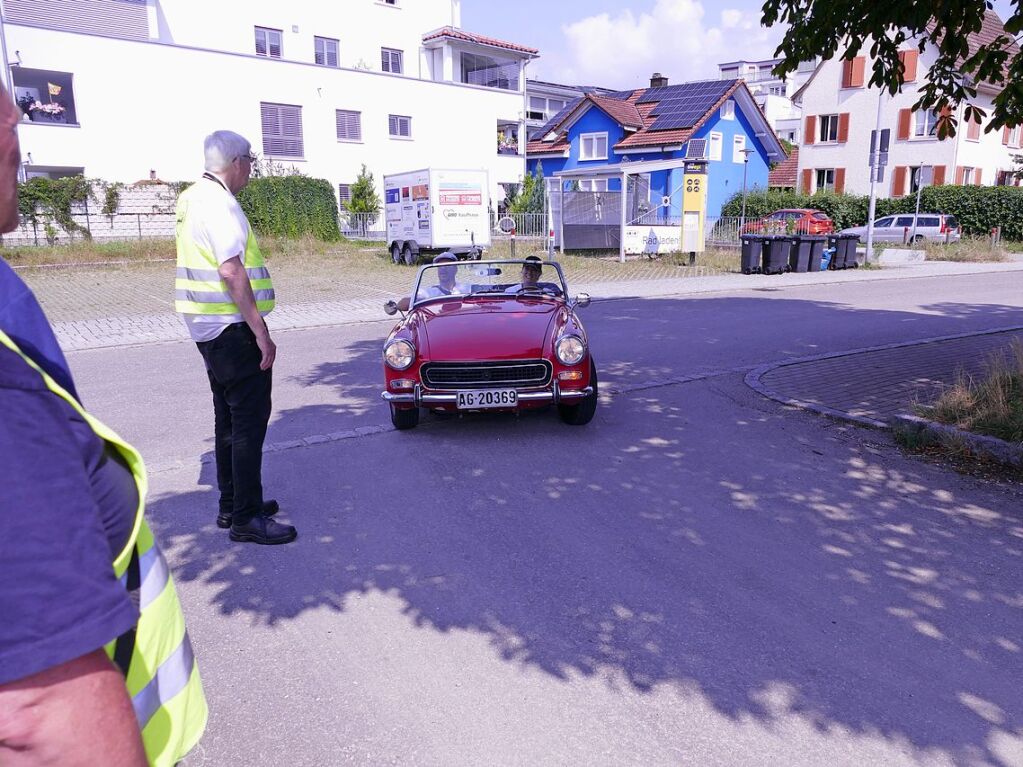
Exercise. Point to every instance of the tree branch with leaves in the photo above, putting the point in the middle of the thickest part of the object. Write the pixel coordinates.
(826, 28)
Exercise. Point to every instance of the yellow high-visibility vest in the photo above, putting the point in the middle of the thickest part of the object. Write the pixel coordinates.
(198, 287)
(156, 656)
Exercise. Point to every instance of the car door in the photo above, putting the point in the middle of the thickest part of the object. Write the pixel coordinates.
(883, 228)
(929, 227)
(901, 229)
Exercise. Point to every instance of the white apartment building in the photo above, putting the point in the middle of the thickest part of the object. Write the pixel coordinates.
(772, 93)
(840, 111)
(396, 85)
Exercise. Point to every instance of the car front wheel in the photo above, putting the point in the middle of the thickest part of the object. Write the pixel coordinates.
(404, 418)
(582, 412)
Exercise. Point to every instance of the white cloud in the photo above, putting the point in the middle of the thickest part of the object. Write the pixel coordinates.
(671, 37)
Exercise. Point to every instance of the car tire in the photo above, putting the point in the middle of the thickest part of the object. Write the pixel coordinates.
(919, 238)
(404, 418)
(583, 412)
(396, 254)
(409, 256)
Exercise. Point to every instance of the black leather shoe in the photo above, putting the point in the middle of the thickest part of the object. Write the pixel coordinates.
(263, 530)
(270, 508)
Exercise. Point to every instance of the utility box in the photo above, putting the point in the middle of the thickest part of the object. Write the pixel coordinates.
(432, 210)
(694, 205)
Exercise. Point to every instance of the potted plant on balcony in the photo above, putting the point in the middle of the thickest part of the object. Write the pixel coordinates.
(52, 112)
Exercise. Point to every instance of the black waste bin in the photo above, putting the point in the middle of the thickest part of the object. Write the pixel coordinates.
(816, 243)
(845, 251)
(776, 254)
(752, 252)
(799, 255)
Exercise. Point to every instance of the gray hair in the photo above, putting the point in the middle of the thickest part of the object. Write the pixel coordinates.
(223, 147)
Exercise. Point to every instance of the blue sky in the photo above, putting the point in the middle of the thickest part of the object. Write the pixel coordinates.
(618, 45)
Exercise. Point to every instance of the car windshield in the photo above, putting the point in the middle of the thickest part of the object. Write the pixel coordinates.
(455, 280)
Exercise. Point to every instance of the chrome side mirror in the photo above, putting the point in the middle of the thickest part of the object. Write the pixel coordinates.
(581, 301)
(391, 307)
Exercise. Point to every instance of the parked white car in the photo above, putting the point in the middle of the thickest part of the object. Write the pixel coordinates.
(933, 227)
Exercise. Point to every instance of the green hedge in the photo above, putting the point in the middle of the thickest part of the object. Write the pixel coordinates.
(291, 206)
(978, 208)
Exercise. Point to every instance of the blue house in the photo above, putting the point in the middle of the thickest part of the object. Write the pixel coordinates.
(659, 123)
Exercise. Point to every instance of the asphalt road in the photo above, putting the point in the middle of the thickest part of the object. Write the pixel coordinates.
(700, 576)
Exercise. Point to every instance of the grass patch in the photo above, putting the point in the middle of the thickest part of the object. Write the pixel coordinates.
(992, 405)
(125, 251)
(969, 249)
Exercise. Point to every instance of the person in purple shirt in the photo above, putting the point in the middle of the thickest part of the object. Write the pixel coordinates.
(67, 504)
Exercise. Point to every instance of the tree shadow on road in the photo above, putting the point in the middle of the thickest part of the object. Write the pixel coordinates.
(698, 538)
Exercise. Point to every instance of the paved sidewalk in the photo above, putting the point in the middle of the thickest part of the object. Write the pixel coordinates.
(871, 386)
(94, 331)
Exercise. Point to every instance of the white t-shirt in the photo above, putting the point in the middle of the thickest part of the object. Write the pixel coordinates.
(219, 225)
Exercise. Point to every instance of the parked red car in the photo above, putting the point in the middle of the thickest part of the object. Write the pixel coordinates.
(489, 335)
(795, 220)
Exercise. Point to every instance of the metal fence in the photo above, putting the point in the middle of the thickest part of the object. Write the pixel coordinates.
(363, 226)
(529, 225)
(100, 228)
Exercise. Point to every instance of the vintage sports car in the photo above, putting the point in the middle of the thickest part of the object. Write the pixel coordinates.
(489, 335)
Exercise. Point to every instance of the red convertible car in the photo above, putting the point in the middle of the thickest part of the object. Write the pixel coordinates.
(489, 335)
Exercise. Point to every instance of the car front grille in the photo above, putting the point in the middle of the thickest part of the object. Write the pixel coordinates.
(483, 375)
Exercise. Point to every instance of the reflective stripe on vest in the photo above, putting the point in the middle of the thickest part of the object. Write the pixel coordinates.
(198, 287)
(162, 677)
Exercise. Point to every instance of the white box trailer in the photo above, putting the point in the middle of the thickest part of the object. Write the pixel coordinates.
(433, 210)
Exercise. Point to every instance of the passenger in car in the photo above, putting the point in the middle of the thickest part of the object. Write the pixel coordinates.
(531, 271)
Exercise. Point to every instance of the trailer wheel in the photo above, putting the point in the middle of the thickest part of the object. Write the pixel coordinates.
(396, 254)
(408, 255)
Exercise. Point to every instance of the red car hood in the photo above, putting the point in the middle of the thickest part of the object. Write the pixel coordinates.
(485, 328)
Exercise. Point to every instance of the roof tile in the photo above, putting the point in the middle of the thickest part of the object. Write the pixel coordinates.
(470, 37)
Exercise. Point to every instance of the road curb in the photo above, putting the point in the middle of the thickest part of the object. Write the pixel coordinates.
(925, 432)
(754, 376)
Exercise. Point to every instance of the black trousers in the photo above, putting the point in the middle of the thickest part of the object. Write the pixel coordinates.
(241, 409)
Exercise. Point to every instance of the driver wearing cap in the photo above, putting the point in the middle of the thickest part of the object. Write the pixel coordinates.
(531, 271)
(446, 282)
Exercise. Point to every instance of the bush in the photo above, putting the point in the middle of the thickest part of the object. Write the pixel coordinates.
(978, 208)
(291, 206)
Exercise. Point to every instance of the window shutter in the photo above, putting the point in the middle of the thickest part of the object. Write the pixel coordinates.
(349, 125)
(839, 180)
(846, 73)
(807, 186)
(810, 129)
(939, 175)
(973, 130)
(977, 174)
(843, 127)
(899, 181)
(960, 175)
(909, 61)
(856, 72)
(1005, 136)
(905, 120)
(282, 130)
(331, 51)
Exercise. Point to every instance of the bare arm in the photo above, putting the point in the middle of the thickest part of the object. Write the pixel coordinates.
(76, 714)
(237, 281)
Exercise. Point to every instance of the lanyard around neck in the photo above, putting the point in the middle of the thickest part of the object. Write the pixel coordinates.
(211, 177)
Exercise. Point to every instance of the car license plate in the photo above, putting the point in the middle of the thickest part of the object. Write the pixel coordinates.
(480, 399)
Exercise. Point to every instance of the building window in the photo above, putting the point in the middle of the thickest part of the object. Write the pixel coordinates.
(390, 61)
(593, 185)
(399, 126)
(389, 2)
(593, 146)
(326, 51)
(825, 180)
(728, 110)
(715, 146)
(282, 130)
(807, 66)
(45, 96)
(268, 42)
(507, 137)
(349, 125)
(969, 176)
(344, 193)
(541, 108)
(1014, 136)
(925, 124)
(490, 72)
(738, 149)
(829, 129)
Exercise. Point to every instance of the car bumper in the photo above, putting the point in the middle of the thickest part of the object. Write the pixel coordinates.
(419, 398)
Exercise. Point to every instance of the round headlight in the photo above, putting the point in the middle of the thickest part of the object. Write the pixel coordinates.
(570, 349)
(399, 354)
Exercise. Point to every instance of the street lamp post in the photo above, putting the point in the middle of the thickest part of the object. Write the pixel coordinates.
(745, 164)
